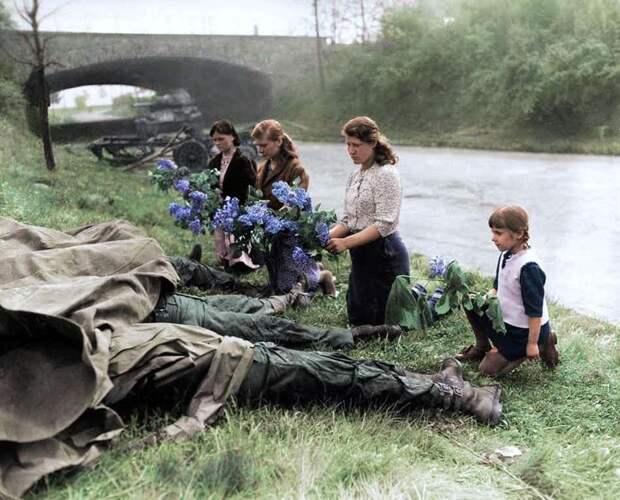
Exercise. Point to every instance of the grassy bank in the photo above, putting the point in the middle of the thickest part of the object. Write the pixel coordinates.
(566, 422)
(597, 142)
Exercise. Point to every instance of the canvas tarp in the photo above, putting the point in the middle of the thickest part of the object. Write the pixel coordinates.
(73, 343)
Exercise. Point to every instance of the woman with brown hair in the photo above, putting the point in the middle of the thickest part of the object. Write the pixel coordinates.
(237, 174)
(281, 160)
(281, 163)
(368, 228)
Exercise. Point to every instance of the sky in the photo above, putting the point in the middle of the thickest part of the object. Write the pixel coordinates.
(239, 17)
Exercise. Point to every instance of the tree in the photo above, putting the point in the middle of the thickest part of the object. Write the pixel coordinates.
(5, 24)
(5, 20)
(80, 101)
(360, 20)
(319, 55)
(39, 61)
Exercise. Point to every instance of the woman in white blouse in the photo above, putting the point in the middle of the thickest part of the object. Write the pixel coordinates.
(368, 228)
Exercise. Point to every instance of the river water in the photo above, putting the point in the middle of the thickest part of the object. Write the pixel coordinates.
(448, 195)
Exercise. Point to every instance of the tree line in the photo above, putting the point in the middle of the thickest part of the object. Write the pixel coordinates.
(454, 63)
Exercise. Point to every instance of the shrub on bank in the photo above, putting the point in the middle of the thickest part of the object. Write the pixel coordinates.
(548, 64)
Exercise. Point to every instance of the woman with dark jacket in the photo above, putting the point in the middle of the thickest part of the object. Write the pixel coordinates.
(237, 174)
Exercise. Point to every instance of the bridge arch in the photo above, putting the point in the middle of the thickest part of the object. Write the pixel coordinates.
(219, 89)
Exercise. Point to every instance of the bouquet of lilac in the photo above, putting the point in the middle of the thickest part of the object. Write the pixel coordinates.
(257, 225)
(410, 307)
(200, 194)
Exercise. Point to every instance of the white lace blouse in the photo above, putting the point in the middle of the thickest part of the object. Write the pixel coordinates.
(373, 196)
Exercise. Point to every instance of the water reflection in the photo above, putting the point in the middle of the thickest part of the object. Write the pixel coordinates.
(448, 195)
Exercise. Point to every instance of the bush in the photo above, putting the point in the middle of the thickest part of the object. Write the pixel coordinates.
(12, 103)
(486, 63)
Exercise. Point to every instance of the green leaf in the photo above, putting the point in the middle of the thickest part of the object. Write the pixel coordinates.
(494, 313)
(443, 305)
(467, 303)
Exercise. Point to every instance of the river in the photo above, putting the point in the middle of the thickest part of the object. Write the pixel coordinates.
(448, 195)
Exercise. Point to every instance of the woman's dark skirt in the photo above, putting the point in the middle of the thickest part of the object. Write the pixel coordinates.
(374, 268)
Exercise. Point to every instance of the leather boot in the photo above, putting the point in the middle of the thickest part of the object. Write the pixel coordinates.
(369, 332)
(196, 253)
(452, 392)
(482, 346)
(327, 281)
(296, 298)
(549, 353)
(472, 353)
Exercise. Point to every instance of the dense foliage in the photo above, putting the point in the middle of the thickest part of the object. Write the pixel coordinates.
(548, 64)
(5, 19)
(5, 23)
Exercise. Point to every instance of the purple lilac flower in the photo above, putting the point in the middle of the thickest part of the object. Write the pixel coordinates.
(255, 215)
(198, 199)
(289, 225)
(273, 225)
(182, 186)
(437, 267)
(173, 208)
(322, 233)
(196, 226)
(165, 164)
(225, 217)
(245, 220)
(183, 214)
(302, 259)
(282, 191)
(297, 197)
(302, 200)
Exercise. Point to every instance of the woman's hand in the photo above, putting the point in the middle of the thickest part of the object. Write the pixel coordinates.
(336, 245)
(532, 352)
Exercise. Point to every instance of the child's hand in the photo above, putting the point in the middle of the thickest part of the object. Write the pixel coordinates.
(531, 351)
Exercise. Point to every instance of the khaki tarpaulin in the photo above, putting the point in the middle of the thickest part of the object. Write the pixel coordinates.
(72, 342)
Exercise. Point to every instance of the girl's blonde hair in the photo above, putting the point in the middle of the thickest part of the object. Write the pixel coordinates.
(272, 130)
(366, 130)
(511, 217)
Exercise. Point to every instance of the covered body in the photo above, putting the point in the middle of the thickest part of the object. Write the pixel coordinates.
(72, 343)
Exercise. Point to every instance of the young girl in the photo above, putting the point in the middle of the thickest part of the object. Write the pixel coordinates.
(519, 285)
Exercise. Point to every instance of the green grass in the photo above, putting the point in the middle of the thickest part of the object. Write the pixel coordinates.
(567, 422)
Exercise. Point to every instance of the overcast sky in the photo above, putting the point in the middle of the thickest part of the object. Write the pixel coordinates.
(271, 17)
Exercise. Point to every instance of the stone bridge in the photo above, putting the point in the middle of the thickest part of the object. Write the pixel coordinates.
(233, 76)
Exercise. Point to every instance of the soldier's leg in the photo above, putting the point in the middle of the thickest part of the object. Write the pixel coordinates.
(285, 375)
(184, 309)
(194, 273)
(239, 304)
(251, 305)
